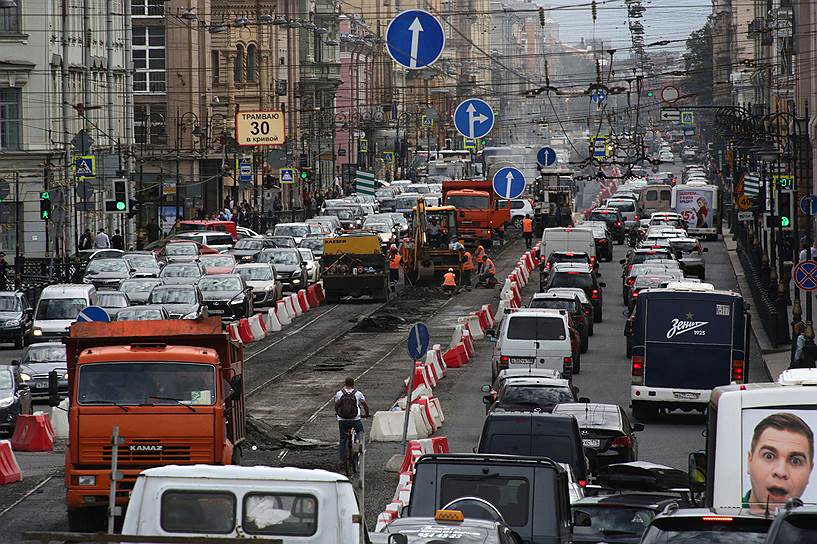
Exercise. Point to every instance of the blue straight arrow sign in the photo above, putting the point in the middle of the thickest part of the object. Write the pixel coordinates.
(509, 183)
(415, 39)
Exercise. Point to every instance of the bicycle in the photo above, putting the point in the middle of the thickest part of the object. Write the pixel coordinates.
(355, 446)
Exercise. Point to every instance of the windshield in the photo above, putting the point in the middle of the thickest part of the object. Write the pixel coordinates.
(377, 227)
(510, 495)
(554, 303)
(140, 314)
(296, 231)
(465, 202)
(623, 205)
(571, 279)
(284, 241)
(646, 282)
(407, 203)
(536, 328)
(306, 254)
(44, 354)
(223, 261)
(605, 520)
(146, 383)
(315, 244)
(534, 394)
(136, 286)
(60, 308)
(141, 261)
(340, 213)
(422, 189)
(796, 529)
(181, 271)
(574, 258)
(112, 300)
(255, 273)
(686, 247)
(173, 295)
(107, 265)
(175, 249)
(279, 257)
(715, 534)
(606, 217)
(216, 283)
(6, 380)
(10, 304)
(254, 245)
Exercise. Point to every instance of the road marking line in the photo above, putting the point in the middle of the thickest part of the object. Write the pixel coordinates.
(24, 497)
(296, 331)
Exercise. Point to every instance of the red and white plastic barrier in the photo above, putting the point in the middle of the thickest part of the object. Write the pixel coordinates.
(9, 468)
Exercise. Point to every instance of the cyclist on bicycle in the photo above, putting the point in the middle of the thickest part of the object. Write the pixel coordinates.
(348, 402)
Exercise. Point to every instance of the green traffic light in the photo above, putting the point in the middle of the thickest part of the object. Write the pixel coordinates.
(45, 215)
(304, 175)
(784, 221)
(649, 94)
(44, 195)
(120, 205)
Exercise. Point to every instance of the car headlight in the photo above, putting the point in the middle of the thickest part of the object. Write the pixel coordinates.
(191, 315)
(13, 322)
(65, 376)
(38, 332)
(269, 287)
(87, 280)
(237, 302)
(25, 377)
(86, 480)
(6, 402)
(296, 280)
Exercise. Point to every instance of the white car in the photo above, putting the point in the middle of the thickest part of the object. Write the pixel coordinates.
(266, 290)
(520, 207)
(666, 156)
(299, 231)
(313, 267)
(384, 231)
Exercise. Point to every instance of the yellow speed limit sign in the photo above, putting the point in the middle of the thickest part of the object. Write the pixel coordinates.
(744, 203)
(260, 128)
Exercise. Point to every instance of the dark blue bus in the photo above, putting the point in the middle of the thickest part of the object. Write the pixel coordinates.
(685, 342)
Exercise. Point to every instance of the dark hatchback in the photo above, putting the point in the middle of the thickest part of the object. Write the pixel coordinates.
(290, 267)
(16, 318)
(583, 277)
(37, 362)
(618, 518)
(607, 435)
(15, 398)
(227, 296)
(246, 250)
(707, 525)
(614, 220)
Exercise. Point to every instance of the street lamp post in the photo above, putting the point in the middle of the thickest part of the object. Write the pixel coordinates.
(180, 126)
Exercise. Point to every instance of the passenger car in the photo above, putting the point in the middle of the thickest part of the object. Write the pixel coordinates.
(313, 267)
(15, 398)
(689, 253)
(281, 241)
(572, 304)
(607, 435)
(181, 273)
(528, 394)
(614, 220)
(247, 249)
(112, 301)
(313, 243)
(145, 312)
(793, 524)
(266, 289)
(107, 273)
(721, 525)
(219, 241)
(37, 361)
(452, 526)
(143, 263)
(290, 267)
(582, 276)
(298, 231)
(618, 517)
(226, 295)
(180, 301)
(16, 318)
(587, 305)
(138, 289)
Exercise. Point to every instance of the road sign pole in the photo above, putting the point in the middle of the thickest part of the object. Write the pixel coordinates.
(409, 393)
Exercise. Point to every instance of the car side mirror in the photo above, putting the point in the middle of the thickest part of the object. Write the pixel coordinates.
(581, 519)
(696, 471)
(397, 538)
(236, 384)
(484, 388)
(602, 284)
(638, 427)
(584, 400)
(490, 334)
(488, 400)
(29, 311)
(15, 362)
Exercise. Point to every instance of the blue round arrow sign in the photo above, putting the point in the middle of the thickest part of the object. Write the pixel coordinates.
(808, 205)
(415, 39)
(474, 118)
(546, 156)
(418, 341)
(93, 313)
(509, 182)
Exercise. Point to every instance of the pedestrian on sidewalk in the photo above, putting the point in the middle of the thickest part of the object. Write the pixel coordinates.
(527, 230)
(102, 241)
(118, 241)
(799, 344)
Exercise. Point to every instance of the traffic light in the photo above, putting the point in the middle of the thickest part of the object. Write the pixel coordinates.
(305, 175)
(119, 203)
(133, 208)
(542, 17)
(784, 209)
(650, 94)
(45, 205)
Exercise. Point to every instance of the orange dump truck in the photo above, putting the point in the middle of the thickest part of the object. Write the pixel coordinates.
(175, 390)
(479, 210)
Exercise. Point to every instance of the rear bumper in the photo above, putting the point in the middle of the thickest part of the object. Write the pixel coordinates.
(661, 397)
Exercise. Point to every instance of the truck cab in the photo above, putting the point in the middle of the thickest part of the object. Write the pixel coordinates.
(479, 210)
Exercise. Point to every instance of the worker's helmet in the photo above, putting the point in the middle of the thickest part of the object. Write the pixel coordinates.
(393, 247)
(450, 269)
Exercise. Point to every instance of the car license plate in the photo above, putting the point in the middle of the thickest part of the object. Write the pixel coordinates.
(41, 384)
(591, 442)
(215, 312)
(686, 395)
(522, 360)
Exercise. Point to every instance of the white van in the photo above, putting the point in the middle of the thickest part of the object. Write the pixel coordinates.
(537, 338)
(290, 505)
(58, 307)
(576, 239)
(655, 198)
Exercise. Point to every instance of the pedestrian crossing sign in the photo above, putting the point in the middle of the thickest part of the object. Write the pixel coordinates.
(687, 117)
(428, 121)
(85, 166)
(469, 143)
(388, 156)
(287, 175)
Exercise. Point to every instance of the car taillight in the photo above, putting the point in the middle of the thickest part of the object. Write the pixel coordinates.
(587, 311)
(621, 442)
(635, 218)
(719, 519)
(617, 224)
(593, 260)
(630, 281)
(638, 370)
(629, 267)
(504, 361)
(595, 293)
(634, 294)
(737, 370)
(603, 241)
(567, 365)
(582, 483)
(547, 265)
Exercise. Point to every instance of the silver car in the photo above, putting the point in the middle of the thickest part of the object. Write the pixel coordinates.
(266, 289)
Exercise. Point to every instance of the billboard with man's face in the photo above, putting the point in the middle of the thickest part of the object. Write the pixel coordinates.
(696, 207)
(778, 457)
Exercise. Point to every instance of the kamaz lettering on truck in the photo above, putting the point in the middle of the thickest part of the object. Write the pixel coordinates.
(686, 343)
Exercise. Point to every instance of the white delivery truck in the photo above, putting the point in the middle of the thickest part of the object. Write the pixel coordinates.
(699, 207)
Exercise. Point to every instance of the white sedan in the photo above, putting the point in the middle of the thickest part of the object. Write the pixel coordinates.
(313, 266)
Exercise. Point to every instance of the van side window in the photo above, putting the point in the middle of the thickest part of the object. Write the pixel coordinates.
(652, 196)
(198, 512)
(280, 514)
(666, 195)
(536, 328)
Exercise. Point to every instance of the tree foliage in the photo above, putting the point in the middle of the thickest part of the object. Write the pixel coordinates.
(698, 63)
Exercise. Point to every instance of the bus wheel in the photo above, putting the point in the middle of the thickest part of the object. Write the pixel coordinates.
(644, 412)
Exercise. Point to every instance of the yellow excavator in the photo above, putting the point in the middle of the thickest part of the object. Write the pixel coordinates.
(427, 256)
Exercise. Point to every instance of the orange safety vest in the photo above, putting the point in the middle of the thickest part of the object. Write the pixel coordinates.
(449, 280)
(469, 262)
(394, 262)
(480, 254)
(490, 268)
(527, 225)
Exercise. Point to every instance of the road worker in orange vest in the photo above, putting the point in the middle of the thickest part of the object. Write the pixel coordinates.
(527, 230)
(488, 278)
(479, 256)
(450, 281)
(394, 268)
(467, 267)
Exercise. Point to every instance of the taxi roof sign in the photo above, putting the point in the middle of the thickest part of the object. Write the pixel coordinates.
(448, 515)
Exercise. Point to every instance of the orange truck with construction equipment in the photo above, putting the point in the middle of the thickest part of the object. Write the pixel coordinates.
(479, 210)
(173, 388)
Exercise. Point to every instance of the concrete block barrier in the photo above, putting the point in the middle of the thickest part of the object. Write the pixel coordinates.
(232, 332)
(489, 314)
(9, 468)
(440, 444)
(312, 296)
(431, 413)
(273, 323)
(282, 311)
(423, 424)
(456, 336)
(433, 360)
(474, 326)
(388, 426)
(420, 379)
(293, 306)
(59, 419)
(456, 357)
(33, 433)
(319, 292)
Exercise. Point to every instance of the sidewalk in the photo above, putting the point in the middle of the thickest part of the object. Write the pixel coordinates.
(776, 359)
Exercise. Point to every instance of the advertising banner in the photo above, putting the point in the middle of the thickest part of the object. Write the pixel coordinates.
(696, 207)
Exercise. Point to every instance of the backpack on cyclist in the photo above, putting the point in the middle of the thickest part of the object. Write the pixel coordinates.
(346, 406)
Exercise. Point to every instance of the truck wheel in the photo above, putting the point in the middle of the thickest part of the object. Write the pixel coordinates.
(643, 412)
(86, 520)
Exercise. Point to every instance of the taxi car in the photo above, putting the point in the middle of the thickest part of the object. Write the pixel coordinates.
(450, 526)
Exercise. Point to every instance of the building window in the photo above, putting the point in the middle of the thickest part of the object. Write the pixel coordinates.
(10, 106)
(215, 62)
(150, 124)
(149, 59)
(252, 62)
(238, 66)
(147, 8)
(10, 19)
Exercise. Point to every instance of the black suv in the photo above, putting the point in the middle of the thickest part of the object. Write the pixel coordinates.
(793, 524)
(581, 276)
(614, 220)
(572, 304)
(16, 318)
